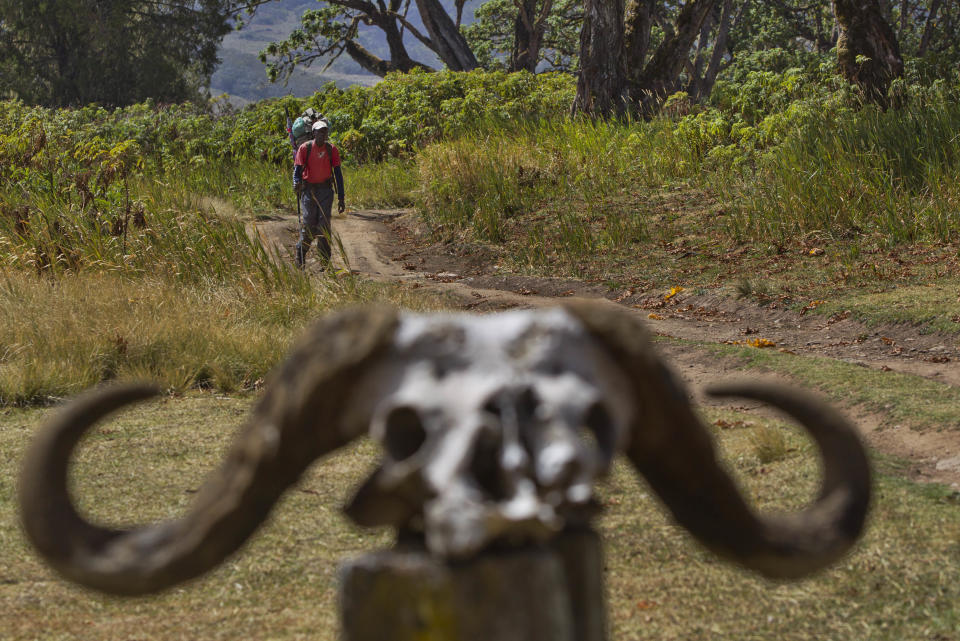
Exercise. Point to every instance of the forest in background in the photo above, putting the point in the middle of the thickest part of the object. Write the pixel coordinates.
(627, 56)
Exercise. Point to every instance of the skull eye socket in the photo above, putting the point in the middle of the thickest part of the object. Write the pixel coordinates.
(403, 434)
(597, 431)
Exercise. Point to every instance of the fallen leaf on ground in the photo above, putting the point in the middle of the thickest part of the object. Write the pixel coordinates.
(813, 305)
(673, 292)
(726, 425)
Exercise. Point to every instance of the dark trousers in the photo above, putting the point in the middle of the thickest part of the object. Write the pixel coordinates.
(316, 203)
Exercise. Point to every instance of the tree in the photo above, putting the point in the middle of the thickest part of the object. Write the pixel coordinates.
(926, 28)
(545, 36)
(112, 52)
(701, 74)
(601, 83)
(333, 30)
(660, 76)
(634, 57)
(515, 35)
(616, 70)
(867, 49)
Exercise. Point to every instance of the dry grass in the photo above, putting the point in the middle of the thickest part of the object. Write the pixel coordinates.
(899, 583)
(60, 336)
(769, 444)
(146, 466)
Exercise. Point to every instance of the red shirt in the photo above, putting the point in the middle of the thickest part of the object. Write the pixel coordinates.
(319, 166)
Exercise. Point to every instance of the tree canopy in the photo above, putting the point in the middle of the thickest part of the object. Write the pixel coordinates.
(112, 52)
(632, 54)
(629, 55)
(334, 28)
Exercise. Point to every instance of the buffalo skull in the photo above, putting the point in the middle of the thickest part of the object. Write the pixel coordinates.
(494, 430)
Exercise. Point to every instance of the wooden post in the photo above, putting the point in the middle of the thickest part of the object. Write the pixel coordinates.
(550, 592)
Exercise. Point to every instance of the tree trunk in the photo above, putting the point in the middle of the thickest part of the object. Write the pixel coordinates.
(522, 32)
(399, 58)
(450, 44)
(659, 77)
(928, 27)
(601, 85)
(695, 68)
(638, 22)
(823, 42)
(867, 50)
(528, 30)
(705, 86)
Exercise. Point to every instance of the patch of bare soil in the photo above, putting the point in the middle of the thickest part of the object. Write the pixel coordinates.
(379, 244)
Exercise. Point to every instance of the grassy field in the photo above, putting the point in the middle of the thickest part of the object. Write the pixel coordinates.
(147, 464)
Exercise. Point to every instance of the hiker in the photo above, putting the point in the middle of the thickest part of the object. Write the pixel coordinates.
(316, 167)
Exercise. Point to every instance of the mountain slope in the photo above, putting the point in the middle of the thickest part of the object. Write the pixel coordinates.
(243, 77)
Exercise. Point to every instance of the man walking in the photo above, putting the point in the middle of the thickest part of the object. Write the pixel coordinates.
(316, 167)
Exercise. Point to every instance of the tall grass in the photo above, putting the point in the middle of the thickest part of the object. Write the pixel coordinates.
(558, 189)
(168, 230)
(255, 187)
(388, 184)
(891, 173)
(565, 192)
(162, 283)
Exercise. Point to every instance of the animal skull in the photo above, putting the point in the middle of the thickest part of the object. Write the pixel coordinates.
(493, 428)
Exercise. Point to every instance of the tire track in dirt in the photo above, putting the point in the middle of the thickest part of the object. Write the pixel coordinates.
(373, 251)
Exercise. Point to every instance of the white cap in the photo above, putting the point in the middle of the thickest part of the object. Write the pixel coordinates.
(320, 124)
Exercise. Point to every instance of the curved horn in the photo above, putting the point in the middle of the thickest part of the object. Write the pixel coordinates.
(295, 422)
(673, 450)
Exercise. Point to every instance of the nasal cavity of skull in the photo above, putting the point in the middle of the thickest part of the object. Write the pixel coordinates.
(515, 411)
(485, 468)
(404, 434)
(519, 405)
(597, 431)
(510, 411)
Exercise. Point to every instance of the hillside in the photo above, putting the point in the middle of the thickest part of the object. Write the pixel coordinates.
(241, 75)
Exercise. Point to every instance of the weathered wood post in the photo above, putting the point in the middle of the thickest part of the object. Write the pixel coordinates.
(550, 592)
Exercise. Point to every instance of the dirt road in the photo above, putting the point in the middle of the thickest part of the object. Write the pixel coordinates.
(375, 245)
